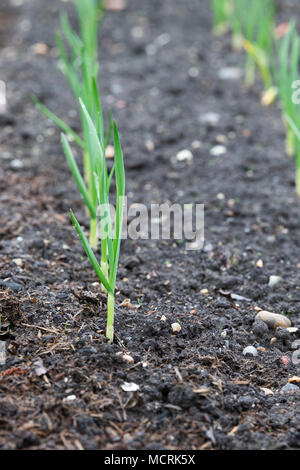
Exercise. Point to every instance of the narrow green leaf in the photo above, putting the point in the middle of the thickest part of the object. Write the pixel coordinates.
(73, 40)
(95, 149)
(77, 176)
(61, 124)
(90, 253)
(120, 185)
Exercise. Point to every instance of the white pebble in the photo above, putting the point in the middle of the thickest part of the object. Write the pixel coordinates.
(16, 164)
(176, 327)
(273, 280)
(218, 150)
(250, 350)
(184, 156)
(130, 387)
(71, 397)
(229, 73)
(210, 118)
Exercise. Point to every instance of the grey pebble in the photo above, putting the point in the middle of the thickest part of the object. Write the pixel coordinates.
(290, 388)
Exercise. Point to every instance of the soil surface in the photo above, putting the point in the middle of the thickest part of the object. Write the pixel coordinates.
(61, 383)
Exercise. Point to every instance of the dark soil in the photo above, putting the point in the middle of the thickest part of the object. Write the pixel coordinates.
(197, 390)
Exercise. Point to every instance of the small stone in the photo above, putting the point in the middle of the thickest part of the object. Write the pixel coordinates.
(184, 156)
(130, 387)
(71, 398)
(273, 341)
(115, 5)
(267, 391)
(137, 32)
(40, 48)
(193, 72)
(260, 263)
(16, 164)
(221, 139)
(229, 73)
(292, 329)
(290, 388)
(3, 101)
(273, 280)
(19, 262)
(273, 320)
(127, 304)
(250, 351)
(127, 358)
(224, 334)
(211, 119)
(218, 150)
(204, 291)
(285, 360)
(163, 318)
(196, 144)
(176, 327)
(149, 145)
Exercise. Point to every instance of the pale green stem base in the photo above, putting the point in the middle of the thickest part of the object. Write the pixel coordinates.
(93, 234)
(237, 42)
(250, 71)
(110, 317)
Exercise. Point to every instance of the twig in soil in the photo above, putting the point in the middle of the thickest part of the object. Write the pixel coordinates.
(178, 374)
(42, 328)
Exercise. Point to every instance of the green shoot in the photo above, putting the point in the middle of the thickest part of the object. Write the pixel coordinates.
(253, 21)
(110, 240)
(286, 69)
(221, 15)
(296, 133)
(78, 61)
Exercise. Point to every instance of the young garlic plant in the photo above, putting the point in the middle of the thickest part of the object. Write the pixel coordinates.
(286, 72)
(221, 10)
(253, 22)
(293, 127)
(100, 180)
(78, 61)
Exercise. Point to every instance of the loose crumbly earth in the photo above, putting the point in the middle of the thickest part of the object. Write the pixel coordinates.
(196, 389)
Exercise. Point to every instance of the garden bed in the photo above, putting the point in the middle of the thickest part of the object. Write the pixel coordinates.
(159, 73)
